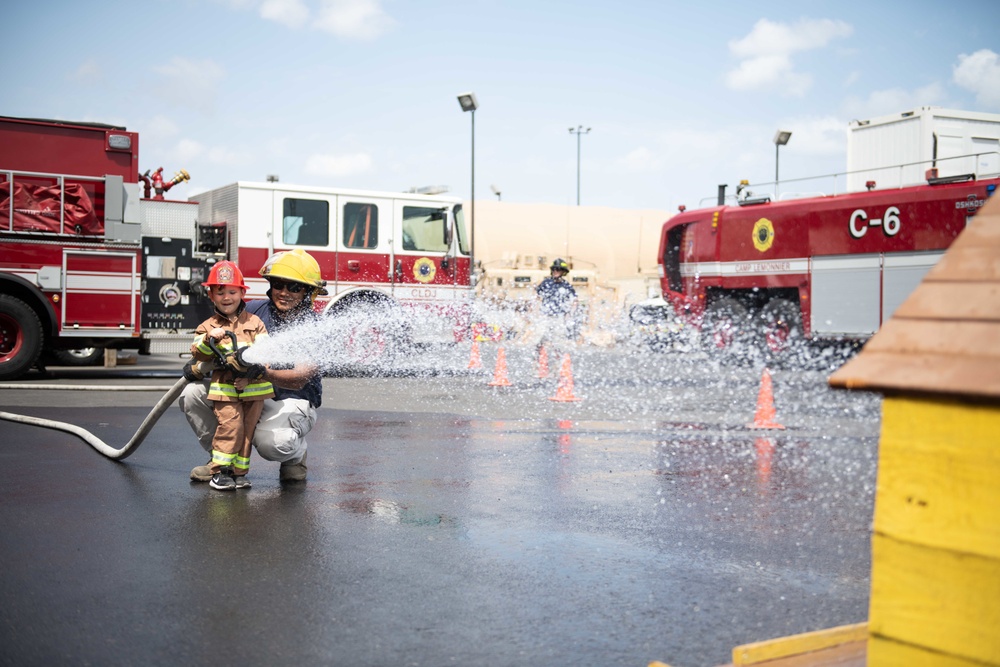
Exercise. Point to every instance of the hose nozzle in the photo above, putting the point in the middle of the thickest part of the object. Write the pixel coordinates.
(233, 359)
(237, 363)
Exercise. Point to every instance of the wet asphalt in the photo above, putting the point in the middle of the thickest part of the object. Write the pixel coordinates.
(444, 521)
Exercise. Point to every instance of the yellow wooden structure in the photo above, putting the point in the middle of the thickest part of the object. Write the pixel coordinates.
(935, 596)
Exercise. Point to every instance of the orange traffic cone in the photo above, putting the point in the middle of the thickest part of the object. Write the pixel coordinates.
(475, 362)
(500, 372)
(764, 417)
(564, 390)
(543, 363)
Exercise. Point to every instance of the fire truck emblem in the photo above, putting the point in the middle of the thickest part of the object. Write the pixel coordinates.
(424, 270)
(763, 234)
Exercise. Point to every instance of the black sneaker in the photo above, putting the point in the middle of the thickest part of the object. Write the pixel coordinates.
(242, 482)
(223, 480)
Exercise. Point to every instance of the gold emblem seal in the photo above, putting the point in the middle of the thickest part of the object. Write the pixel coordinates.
(424, 270)
(763, 234)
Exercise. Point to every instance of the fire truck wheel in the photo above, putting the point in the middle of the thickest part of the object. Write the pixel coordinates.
(726, 329)
(780, 325)
(20, 337)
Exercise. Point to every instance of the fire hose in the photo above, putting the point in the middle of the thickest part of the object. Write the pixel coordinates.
(233, 360)
(93, 440)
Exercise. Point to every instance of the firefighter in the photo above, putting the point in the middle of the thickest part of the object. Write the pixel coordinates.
(557, 304)
(295, 280)
(237, 402)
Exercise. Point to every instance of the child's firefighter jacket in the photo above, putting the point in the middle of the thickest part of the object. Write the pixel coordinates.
(248, 329)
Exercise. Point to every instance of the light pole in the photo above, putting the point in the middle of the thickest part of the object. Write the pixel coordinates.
(496, 191)
(578, 131)
(468, 103)
(781, 138)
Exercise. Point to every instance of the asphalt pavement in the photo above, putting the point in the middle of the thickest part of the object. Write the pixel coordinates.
(444, 521)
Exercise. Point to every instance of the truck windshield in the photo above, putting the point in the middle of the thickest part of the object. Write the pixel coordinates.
(424, 229)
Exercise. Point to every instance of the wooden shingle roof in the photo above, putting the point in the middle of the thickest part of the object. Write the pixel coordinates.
(945, 338)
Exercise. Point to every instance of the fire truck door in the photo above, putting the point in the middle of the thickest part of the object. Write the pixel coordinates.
(426, 235)
(307, 221)
(100, 293)
(364, 244)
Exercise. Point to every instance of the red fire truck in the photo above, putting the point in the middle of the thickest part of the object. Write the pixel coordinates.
(762, 273)
(85, 260)
(397, 264)
(90, 257)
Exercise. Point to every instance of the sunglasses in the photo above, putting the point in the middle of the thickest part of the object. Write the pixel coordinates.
(288, 286)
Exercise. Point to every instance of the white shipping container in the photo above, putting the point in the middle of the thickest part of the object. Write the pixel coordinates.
(953, 142)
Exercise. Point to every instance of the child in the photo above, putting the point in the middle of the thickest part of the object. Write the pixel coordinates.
(237, 401)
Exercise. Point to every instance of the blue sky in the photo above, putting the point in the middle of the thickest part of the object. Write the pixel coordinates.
(362, 93)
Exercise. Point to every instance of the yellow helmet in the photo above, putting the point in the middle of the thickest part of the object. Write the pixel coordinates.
(296, 265)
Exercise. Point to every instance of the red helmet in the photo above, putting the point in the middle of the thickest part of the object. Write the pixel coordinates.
(225, 273)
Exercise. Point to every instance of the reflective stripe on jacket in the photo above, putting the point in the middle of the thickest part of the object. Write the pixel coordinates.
(248, 329)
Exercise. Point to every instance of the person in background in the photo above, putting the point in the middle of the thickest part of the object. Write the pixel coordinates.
(237, 402)
(294, 281)
(557, 305)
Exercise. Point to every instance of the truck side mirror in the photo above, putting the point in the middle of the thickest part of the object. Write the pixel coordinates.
(449, 230)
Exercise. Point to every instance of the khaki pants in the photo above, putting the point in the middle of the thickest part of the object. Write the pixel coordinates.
(237, 423)
(281, 430)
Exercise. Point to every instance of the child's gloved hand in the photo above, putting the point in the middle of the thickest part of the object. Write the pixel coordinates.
(191, 373)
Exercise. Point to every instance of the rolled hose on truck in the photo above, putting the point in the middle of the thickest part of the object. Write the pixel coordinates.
(161, 406)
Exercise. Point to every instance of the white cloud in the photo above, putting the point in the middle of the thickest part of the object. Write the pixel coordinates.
(980, 73)
(349, 19)
(826, 135)
(768, 71)
(769, 38)
(191, 83)
(894, 100)
(338, 165)
(292, 13)
(355, 19)
(766, 52)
